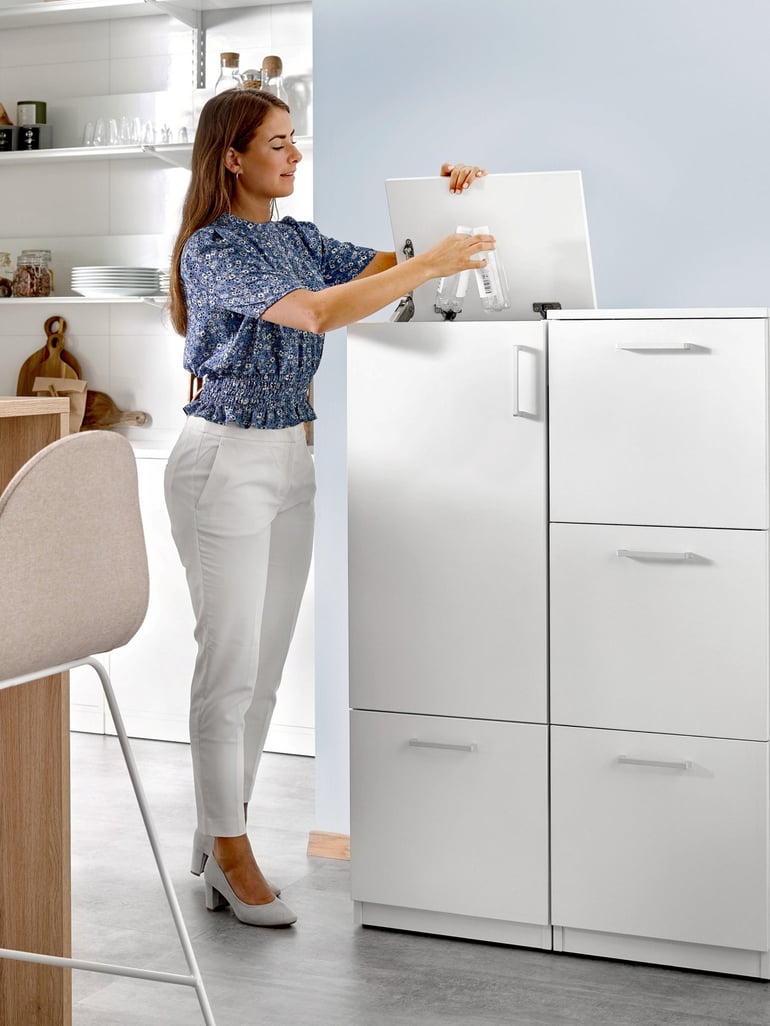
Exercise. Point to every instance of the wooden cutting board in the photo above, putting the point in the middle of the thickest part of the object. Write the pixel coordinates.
(52, 361)
(102, 413)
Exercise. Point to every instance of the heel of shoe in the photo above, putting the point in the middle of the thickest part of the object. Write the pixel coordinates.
(214, 900)
(198, 861)
(203, 845)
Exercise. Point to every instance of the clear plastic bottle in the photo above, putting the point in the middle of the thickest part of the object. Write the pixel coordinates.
(451, 291)
(229, 75)
(491, 280)
(272, 78)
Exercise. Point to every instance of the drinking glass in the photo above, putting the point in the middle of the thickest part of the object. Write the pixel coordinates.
(100, 132)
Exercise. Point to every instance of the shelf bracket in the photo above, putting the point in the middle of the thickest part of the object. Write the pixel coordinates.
(193, 20)
(199, 53)
(168, 156)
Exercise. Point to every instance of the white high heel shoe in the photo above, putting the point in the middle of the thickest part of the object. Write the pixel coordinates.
(219, 893)
(203, 846)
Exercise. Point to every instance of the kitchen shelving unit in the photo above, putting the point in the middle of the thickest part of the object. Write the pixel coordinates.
(124, 343)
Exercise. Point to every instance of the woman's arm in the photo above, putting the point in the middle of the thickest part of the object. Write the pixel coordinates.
(461, 177)
(339, 305)
(384, 280)
(381, 261)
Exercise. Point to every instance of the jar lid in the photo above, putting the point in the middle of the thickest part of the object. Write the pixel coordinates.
(230, 60)
(273, 66)
(33, 256)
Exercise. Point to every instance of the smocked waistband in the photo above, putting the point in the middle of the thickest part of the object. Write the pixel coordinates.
(200, 426)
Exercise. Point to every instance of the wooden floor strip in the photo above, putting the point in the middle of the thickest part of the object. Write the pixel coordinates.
(328, 846)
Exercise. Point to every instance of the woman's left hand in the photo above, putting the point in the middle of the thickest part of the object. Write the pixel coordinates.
(461, 176)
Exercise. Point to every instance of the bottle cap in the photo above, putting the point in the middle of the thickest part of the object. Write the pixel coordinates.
(272, 66)
(230, 60)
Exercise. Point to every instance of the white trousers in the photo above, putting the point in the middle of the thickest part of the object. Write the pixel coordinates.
(241, 508)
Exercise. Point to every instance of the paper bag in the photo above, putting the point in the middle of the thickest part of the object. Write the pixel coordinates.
(73, 389)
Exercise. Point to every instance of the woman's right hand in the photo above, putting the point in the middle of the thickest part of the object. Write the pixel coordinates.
(456, 253)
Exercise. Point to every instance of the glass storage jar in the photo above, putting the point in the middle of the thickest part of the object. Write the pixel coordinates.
(229, 74)
(33, 275)
(6, 275)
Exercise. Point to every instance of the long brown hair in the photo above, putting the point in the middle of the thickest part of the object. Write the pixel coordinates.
(227, 120)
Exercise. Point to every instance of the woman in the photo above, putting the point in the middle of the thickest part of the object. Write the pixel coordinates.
(253, 297)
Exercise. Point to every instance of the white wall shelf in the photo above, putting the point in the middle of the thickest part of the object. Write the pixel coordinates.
(176, 154)
(15, 14)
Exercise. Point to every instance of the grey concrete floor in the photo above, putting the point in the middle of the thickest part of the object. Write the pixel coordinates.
(324, 971)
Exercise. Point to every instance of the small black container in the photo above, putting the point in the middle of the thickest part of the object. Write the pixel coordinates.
(8, 136)
(34, 137)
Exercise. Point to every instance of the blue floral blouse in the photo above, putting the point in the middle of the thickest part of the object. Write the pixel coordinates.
(256, 373)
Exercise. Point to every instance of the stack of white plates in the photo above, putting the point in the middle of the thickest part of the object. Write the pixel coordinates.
(116, 281)
(164, 281)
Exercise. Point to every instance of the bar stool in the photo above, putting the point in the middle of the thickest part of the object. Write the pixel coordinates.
(90, 597)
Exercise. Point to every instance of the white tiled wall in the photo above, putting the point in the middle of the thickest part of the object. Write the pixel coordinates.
(124, 211)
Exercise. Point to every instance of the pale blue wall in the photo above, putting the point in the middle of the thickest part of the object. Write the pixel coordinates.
(664, 105)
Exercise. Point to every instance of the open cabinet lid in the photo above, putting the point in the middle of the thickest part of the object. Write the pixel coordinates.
(539, 222)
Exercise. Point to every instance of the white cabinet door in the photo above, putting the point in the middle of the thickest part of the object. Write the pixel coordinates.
(450, 815)
(448, 519)
(659, 422)
(660, 629)
(660, 836)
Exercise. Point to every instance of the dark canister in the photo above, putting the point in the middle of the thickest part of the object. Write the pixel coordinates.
(34, 137)
(8, 136)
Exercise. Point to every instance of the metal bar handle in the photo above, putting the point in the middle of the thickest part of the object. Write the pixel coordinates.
(665, 557)
(415, 742)
(516, 350)
(659, 347)
(626, 760)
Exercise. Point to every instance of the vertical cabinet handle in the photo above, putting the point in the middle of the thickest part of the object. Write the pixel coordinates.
(626, 760)
(415, 742)
(665, 557)
(516, 350)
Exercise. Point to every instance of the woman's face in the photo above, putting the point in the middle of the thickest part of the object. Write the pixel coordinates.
(268, 164)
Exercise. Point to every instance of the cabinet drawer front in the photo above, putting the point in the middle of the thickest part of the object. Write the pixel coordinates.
(450, 815)
(659, 422)
(448, 522)
(660, 836)
(660, 629)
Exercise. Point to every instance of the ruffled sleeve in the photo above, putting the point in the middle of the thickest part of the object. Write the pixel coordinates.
(339, 262)
(229, 276)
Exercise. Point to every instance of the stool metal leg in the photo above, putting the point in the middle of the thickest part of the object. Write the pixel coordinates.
(194, 979)
(168, 887)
